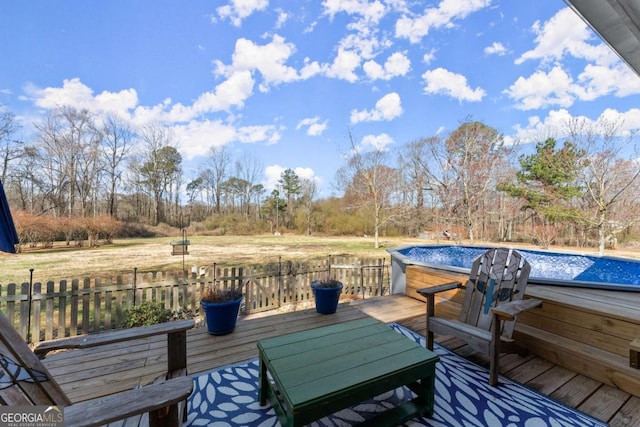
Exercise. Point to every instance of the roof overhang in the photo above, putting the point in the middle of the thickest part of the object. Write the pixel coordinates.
(617, 22)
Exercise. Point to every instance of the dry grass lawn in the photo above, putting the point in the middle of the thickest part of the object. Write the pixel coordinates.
(154, 254)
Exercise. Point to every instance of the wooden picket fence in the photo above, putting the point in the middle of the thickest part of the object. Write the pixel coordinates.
(42, 312)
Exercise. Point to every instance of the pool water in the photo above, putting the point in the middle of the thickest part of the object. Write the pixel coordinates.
(546, 266)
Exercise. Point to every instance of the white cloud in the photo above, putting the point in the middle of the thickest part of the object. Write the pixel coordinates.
(558, 88)
(370, 11)
(541, 90)
(629, 119)
(442, 16)
(378, 142)
(274, 172)
(396, 65)
(444, 82)
(75, 93)
(143, 115)
(387, 108)
(566, 34)
(237, 10)
(310, 28)
(269, 60)
(537, 129)
(496, 48)
(197, 137)
(364, 38)
(556, 122)
(313, 125)
(600, 80)
(310, 69)
(428, 57)
(232, 92)
(304, 173)
(366, 44)
(344, 66)
(253, 134)
(282, 18)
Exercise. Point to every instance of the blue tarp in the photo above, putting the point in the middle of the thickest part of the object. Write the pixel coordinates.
(8, 234)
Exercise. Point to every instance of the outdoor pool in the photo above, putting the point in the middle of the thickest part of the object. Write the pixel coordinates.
(547, 267)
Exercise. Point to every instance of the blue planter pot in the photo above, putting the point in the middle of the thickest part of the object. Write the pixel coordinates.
(326, 298)
(221, 316)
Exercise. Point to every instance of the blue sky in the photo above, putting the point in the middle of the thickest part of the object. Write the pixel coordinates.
(287, 81)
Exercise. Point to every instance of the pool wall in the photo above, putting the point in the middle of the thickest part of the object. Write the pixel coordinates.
(399, 263)
(627, 282)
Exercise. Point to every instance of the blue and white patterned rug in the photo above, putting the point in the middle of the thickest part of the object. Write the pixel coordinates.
(229, 397)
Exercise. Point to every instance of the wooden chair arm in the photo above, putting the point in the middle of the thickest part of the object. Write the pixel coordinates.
(439, 288)
(110, 337)
(129, 403)
(510, 310)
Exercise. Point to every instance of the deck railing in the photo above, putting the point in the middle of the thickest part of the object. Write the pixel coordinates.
(56, 309)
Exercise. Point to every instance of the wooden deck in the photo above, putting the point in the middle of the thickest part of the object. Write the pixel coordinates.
(586, 330)
(93, 372)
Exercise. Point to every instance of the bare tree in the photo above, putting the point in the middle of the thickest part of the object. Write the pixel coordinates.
(69, 159)
(428, 177)
(411, 163)
(27, 183)
(89, 164)
(11, 148)
(370, 183)
(609, 178)
(309, 188)
(159, 168)
(216, 173)
(117, 144)
(249, 170)
(475, 155)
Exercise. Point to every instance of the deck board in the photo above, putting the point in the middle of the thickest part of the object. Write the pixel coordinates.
(605, 402)
(619, 304)
(85, 373)
(629, 415)
(551, 380)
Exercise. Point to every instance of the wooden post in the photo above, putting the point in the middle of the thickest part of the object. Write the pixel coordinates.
(431, 309)
(177, 353)
(634, 353)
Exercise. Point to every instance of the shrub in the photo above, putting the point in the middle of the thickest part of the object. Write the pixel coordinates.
(146, 314)
(130, 229)
(233, 224)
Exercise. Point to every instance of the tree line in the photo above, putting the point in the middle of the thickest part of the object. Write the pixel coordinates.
(580, 190)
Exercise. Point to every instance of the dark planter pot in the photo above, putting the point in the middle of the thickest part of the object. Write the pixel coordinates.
(326, 298)
(221, 316)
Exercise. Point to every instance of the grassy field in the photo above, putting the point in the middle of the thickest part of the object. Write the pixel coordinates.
(154, 254)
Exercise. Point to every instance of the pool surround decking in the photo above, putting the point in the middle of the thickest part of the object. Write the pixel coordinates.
(589, 331)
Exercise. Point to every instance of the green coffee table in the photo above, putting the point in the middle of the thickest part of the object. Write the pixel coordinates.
(311, 374)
